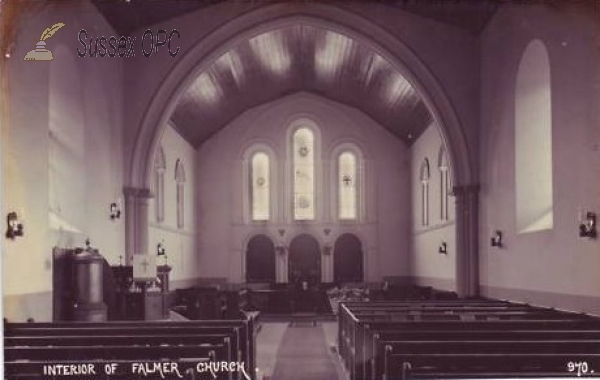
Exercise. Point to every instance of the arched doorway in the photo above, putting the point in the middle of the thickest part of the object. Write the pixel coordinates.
(304, 260)
(260, 259)
(347, 259)
(304, 269)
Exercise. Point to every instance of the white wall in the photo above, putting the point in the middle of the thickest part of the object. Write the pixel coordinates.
(87, 99)
(223, 236)
(179, 243)
(552, 267)
(427, 265)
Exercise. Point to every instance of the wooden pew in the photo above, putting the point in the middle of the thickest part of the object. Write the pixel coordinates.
(135, 341)
(486, 365)
(357, 330)
(376, 340)
(244, 330)
(391, 355)
(357, 352)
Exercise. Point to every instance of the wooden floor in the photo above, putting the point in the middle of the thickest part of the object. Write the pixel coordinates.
(269, 341)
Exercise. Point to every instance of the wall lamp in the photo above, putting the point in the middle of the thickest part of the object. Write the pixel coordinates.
(280, 249)
(327, 248)
(115, 211)
(160, 249)
(443, 248)
(14, 227)
(496, 240)
(587, 225)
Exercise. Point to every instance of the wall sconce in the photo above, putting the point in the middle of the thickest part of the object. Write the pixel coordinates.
(443, 248)
(327, 248)
(115, 211)
(14, 228)
(280, 249)
(496, 240)
(160, 249)
(587, 226)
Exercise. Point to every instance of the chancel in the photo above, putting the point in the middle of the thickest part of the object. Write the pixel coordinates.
(305, 190)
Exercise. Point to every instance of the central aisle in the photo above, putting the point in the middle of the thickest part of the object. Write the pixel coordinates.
(304, 355)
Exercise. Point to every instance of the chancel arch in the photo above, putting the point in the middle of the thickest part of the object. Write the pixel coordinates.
(260, 260)
(392, 49)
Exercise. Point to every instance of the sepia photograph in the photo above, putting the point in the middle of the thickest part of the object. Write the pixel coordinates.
(300, 189)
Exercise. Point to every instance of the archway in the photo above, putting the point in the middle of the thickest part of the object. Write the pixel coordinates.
(304, 269)
(347, 259)
(304, 260)
(273, 16)
(260, 259)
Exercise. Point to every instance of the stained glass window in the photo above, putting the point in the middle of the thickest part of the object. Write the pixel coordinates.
(259, 186)
(347, 186)
(304, 174)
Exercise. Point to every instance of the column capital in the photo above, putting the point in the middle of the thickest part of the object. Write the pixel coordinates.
(137, 192)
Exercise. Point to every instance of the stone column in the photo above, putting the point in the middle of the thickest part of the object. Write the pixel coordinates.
(136, 222)
(467, 249)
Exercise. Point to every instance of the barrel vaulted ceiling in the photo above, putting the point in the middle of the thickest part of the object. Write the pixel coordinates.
(294, 59)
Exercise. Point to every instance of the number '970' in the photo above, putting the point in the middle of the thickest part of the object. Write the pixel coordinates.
(579, 368)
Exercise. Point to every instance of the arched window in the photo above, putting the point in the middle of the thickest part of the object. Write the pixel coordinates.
(348, 185)
(160, 165)
(533, 140)
(66, 145)
(444, 185)
(260, 183)
(180, 180)
(424, 177)
(303, 142)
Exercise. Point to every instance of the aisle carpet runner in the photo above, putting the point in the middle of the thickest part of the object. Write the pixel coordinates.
(303, 355)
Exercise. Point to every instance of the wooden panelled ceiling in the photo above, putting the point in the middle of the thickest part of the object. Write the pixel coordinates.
(294, 59)
(289, 60)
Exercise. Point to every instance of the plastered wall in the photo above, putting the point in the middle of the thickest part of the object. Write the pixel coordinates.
(220, 210)
(552, 267)
(82, 95)
(179, 243)
(427, 266)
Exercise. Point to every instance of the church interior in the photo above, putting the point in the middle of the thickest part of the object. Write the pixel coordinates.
(308, 189)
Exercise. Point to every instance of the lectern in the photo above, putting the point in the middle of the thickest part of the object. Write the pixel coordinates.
(148, 300)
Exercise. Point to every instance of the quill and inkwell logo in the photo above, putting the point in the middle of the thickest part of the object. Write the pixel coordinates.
(40, 53)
